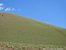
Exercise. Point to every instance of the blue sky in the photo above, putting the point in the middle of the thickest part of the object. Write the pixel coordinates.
(48, 11)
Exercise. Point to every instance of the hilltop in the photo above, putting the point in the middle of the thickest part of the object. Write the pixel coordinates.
(14, 28)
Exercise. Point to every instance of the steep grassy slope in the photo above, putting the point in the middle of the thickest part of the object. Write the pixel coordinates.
(19, 29)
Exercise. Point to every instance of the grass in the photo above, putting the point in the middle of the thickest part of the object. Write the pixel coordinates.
(17, 29)
(24, 46)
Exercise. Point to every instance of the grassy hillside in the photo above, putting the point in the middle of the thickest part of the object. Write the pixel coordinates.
(15, 28)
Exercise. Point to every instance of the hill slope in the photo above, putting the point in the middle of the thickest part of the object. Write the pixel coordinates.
(19, 29)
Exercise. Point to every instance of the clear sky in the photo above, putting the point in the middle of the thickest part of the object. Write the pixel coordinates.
(49, 11)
